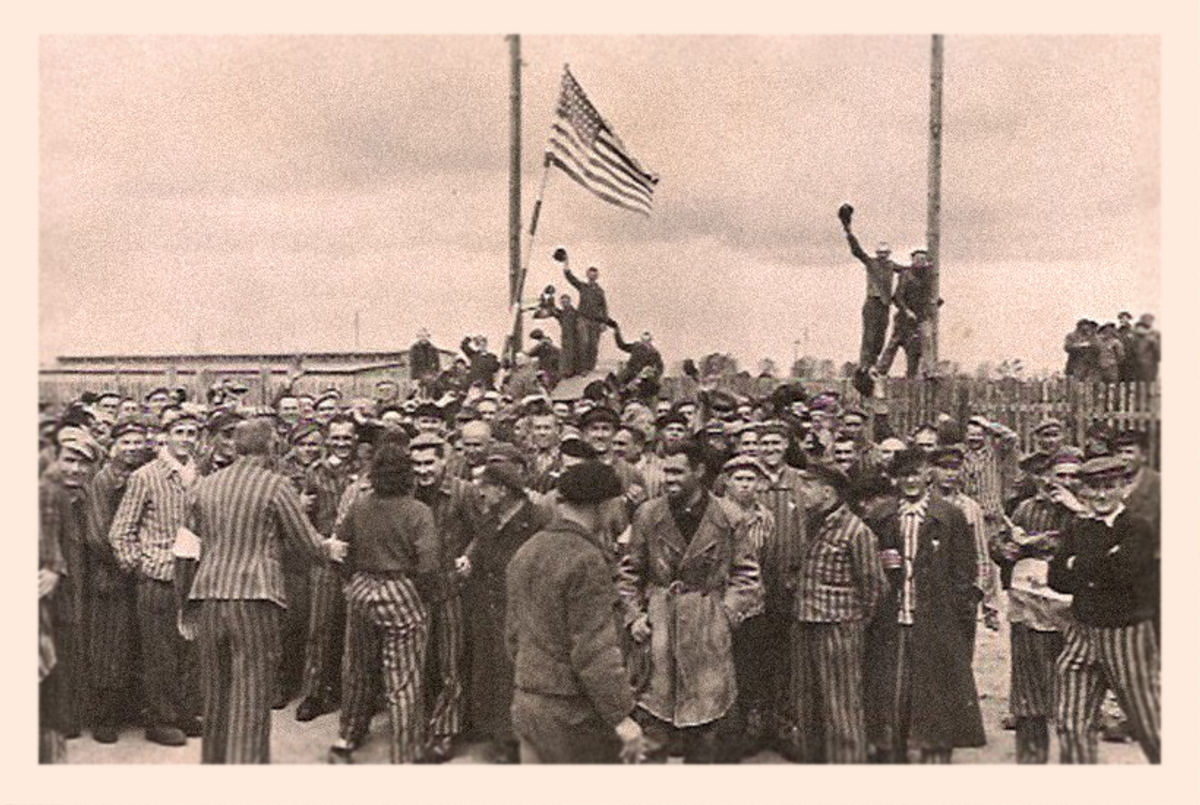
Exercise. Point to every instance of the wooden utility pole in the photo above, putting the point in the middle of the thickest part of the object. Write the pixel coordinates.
(514, 187)
(934, 209)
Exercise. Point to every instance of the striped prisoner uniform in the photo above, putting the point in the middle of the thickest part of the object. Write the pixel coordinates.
(1036, 622)
(393, 550)
(112, 603)
(327, 614)
(52, 715)
(143, 537)
(841, 583)
(242, 516)
(987, 579)
(63, 523)
(1111, 568)
(780, 559)
(456, 516)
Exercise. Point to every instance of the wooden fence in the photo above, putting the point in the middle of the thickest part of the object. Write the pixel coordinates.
(1018, 404)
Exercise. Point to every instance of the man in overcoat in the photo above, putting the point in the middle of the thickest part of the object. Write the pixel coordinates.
(688, 579)
(923, 634)
(573, 702)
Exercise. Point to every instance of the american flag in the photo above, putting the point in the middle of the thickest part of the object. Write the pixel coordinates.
(585, 148)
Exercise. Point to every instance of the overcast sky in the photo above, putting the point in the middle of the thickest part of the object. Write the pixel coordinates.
(247, 194)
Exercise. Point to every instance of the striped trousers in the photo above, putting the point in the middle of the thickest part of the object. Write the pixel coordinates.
(239, 659)
(326, 631)
(1123, 659)
(392, 612)
(1031, 695)
(169, 668)
(829, 691)
(444, 672)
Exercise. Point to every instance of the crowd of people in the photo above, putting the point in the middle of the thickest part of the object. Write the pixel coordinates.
(613, 577)
(1123, 352)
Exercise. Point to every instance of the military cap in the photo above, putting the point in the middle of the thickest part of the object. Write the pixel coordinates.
(1103, 467)
(303, 429)
(536, 334)
(600, 414)
(589, 482)
(744, 462)
(950, 455)
(1048, 422)
(774, 428)
(715, 427)
(424, 441)
(823, 402)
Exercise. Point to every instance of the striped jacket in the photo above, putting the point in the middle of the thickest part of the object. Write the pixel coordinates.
(242, 516)
(987, 580)
(780, 556)
(988, 474)
(841, 577)
(147, 521)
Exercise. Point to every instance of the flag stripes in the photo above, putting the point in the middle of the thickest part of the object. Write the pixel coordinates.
(584, 147)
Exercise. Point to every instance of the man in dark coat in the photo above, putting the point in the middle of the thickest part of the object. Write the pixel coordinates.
(643, 355)
(568, 318)
(423, 358)
(512, 519)
(923, 633)
(573, 701)
(593, 315)
(484, 364)
(547, 355)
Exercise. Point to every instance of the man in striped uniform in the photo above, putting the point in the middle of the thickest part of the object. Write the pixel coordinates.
(743, 477)
(841, 583)
(457, 512)
(143, 537)
(782, 493)
(1037, 615)
(241, 516)
(112, 595)
(989, 467)
(947, 463)
(1109, 563)
(326, 482)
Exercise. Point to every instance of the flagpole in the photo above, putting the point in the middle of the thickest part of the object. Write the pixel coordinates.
(514, 185)
(519, 286)
(934, 208)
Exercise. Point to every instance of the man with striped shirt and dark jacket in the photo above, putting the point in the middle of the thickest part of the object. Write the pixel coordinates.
(143, 537)
(1109, 563)
(841, 583)
(241, 516)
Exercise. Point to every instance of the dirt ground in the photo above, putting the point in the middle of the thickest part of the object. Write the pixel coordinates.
(293, 742)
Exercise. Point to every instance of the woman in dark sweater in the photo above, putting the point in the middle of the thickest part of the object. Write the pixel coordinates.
(392, 558)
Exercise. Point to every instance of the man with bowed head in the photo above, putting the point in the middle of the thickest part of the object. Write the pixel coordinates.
(573, 701)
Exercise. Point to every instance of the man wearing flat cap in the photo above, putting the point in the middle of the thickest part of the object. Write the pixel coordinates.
(840, 586)
(143, 535)
(1108, 562)
(689, 577)
(63, 523)
(112, 595)
(547, 355)
(573, 701)
(1144, 497)
(920, 644)
(1037, 615)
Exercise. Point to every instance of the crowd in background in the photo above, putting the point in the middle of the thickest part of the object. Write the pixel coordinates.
(1122, 352)
(814, 581)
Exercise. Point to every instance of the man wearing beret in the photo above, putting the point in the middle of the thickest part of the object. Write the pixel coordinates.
(1109, 563)
(920, 644)
(573, 702)
(841, 584)
(689, 577)
(63, 524)
(1037, 615)
(112, 595)
(143, 535)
